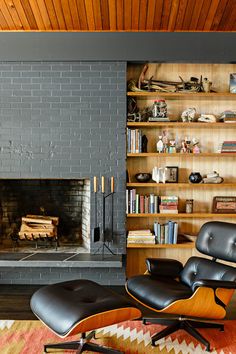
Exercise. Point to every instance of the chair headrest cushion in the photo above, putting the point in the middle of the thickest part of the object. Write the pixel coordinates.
(218, 239)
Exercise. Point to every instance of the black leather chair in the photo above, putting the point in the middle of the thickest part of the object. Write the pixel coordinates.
(201, 289)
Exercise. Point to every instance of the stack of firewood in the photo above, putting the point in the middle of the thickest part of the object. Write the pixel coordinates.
(35, 227)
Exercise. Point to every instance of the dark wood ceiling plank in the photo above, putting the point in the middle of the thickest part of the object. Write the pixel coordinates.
(226, 20)
(135, 15)
(7, 16)
(52, 14)
(150, 14)
(127, 14)
(181, 13)
(82, 15)
(166, 14)
(188, 15)
(203, 14)
(3, 22)
(105, 15)
(29, 14)
(112, 14)
(120, 15)
(158, 15)
(173, 15)
(67, 14)
(211, 15)
(34, 4)
(218, 15)
(59, 14)
(14, 15)
(90, 14)
(74, 14)
(195, 15)
(142, 15)
(97, 15)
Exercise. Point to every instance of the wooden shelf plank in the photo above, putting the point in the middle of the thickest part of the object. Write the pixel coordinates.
(203, 154)
(181, 125)
(182, 215)
(178, 245)
(181, 185)
(188, 95)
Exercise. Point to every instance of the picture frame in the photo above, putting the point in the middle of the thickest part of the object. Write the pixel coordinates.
(172, 174)
(232, 83)
(224, 205)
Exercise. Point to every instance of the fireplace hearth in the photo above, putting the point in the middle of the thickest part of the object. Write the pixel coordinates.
(66, 199)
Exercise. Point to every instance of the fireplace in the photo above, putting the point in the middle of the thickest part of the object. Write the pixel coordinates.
(67, 199)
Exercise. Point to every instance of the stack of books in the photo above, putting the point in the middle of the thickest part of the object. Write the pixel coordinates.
(166, 233)
(228, 146)
(141, 236)
(228, 117)
(134, 140)
(168, 204)
(141, 204)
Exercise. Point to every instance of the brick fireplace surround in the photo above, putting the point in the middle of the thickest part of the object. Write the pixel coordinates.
(65, 120)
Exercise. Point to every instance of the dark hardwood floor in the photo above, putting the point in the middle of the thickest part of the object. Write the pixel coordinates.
(15, 302)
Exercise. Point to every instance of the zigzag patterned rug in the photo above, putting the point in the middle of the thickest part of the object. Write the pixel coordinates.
(28, 337)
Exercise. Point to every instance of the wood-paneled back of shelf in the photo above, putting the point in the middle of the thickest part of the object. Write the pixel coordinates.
(117, 15)
(209, 142)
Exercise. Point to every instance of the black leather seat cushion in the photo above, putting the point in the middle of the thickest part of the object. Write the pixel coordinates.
(61, 306)
(157, 292)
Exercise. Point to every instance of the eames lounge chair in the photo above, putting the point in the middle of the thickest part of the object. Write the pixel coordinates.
(197, 292)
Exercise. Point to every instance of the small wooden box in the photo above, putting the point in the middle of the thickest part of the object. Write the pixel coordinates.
(224, 205)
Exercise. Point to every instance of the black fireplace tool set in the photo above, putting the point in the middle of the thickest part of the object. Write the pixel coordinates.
(99, 234)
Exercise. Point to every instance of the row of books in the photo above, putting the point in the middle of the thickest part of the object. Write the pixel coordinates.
(163, 234)
(166, 233)
(228, 146)
(228, 117)
(150, 204)
(168, 204)
(141, 236)
(134, 140)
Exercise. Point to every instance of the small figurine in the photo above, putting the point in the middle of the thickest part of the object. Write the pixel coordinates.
(172, 147)
(196, 149)
(183, 149)
(165, 140)
(188, 115)
(160, 145)
(207, 118)
(206, 85)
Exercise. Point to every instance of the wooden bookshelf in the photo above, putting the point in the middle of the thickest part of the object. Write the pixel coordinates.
(178, 245)
(203, 154)
(210, 135)
(178, 125)
(180, 185)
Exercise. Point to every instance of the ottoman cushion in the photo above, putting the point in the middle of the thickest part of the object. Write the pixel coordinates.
(78, 306)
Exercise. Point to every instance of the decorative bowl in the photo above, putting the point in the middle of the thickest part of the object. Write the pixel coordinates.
(143, 177)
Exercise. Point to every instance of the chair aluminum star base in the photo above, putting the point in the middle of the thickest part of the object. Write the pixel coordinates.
(82, 345)
(187, 324)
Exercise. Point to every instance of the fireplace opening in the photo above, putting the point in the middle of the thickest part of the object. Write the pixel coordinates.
(65, 200)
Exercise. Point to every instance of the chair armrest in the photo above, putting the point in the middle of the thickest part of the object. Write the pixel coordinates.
(164, 267)
(214, 284)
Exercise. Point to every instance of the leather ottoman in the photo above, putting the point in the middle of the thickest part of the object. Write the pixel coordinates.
(80, 306)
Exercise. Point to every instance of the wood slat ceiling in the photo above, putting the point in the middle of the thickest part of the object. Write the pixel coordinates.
(118, 15)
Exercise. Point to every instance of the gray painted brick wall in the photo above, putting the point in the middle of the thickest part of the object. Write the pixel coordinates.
(66, 120)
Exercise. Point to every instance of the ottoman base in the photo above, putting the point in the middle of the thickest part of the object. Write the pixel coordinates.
(82, 345)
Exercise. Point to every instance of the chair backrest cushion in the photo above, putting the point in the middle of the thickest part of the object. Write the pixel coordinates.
(218, 239)
(198, 268)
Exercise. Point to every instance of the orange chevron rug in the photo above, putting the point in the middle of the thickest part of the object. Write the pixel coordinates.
(28, 337)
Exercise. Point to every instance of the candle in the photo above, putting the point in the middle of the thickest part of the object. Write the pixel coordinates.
(112, 184)
(103, 184)
(95, 184)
